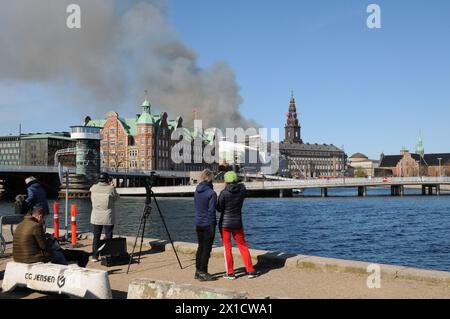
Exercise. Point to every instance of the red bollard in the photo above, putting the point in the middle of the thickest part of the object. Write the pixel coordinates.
(56, 220)
(73, 213)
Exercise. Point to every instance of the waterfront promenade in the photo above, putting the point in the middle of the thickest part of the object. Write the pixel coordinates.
(283, 275)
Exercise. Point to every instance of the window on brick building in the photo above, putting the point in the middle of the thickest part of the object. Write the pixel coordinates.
(111, 131)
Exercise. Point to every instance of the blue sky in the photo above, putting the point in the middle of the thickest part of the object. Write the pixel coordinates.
(369, 90)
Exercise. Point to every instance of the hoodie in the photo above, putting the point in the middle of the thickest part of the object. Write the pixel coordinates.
(205, 200)
(230, 204)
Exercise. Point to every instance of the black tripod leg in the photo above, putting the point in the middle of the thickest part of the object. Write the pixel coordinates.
(142, 240)
(167, 230)
(134, 246)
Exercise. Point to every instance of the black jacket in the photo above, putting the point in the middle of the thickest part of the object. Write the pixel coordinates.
(36, 197)
(205, 200)
(230, 204)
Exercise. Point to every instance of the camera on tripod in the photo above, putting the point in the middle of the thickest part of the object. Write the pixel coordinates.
(149, 183)
(152, 180)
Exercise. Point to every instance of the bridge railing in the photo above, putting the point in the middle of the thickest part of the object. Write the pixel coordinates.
(137, 172)
(351, 182)
(32, 169)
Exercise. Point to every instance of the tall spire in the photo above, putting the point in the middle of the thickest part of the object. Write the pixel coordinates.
(146, 104)
(420, 149)
(292, 128)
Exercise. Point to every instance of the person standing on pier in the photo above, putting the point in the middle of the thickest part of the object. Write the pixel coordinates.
(230, 203)
(205, 200)
(103, 197)
(36, 196)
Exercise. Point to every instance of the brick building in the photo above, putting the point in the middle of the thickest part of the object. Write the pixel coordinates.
(142, 143)
(412, 164)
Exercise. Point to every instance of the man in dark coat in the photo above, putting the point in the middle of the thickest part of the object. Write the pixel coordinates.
(36, 196)
(230, 203)
(205, 200)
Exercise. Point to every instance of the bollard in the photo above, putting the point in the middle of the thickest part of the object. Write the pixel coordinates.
(56, 220)
(73, 213)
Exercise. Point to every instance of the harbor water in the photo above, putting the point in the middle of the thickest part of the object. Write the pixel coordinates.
(413, 230)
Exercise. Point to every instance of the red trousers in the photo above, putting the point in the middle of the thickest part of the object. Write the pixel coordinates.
(238, 235)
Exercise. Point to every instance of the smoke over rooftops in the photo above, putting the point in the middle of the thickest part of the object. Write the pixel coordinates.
(121, 49)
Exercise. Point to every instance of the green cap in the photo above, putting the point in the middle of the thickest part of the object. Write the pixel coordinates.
(230, 177)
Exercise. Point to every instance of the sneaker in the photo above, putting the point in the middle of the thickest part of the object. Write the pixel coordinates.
(202, 276)
(95, 259)
(253, 274)
(229, 277)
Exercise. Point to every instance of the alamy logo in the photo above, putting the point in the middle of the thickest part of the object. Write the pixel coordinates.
(374, 19)
(374, 279)
(74, 18)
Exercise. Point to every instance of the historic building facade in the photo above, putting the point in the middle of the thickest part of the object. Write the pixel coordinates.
(362, 166)
(142, 143)
(307, 160)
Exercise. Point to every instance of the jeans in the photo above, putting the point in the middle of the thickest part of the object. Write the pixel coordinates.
(205, 237)
(64, 256)
(97, 234)
(58, 257)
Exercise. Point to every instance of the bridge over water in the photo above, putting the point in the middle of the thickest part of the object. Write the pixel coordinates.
(429, 185)
(12, 178)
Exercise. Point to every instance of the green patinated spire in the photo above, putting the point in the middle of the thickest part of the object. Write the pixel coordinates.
(146, 106)
(420, 149)
(146, 117)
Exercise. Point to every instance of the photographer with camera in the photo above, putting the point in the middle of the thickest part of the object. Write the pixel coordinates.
(205, 200)
(103, 197)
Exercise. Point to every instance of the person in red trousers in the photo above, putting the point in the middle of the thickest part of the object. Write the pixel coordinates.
(229, 205)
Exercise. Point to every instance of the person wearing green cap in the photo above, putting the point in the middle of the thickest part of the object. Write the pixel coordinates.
(230, 203)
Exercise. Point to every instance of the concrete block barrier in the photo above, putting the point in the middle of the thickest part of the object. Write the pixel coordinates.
(69, 280)
(157, 289)
(432, 276)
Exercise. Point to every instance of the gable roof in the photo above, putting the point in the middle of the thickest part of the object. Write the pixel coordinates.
(427, 159)
(433, 159)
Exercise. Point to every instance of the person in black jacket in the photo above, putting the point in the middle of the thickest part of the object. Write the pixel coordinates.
(230, 204)
(205, 200)
(36, 196)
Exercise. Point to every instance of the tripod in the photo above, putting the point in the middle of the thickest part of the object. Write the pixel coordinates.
(145, 214)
